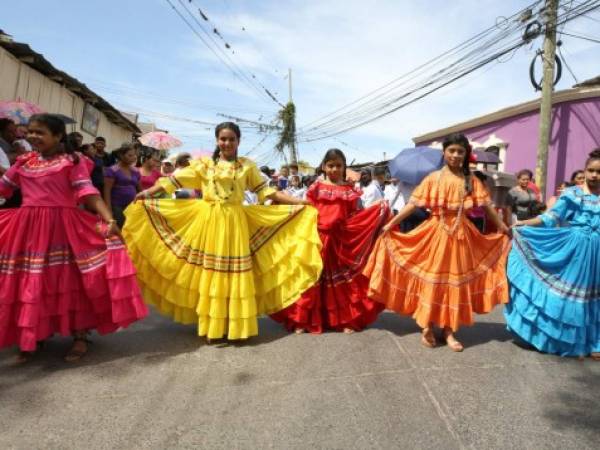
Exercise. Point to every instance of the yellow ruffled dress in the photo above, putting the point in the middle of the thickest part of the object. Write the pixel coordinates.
(216, 262)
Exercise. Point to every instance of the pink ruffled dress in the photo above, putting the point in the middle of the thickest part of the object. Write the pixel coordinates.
(58, 274)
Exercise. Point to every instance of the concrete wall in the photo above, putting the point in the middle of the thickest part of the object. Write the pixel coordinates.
(575, 132)
(18, 81)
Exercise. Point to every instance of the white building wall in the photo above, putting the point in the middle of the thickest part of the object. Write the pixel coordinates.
(18, 81)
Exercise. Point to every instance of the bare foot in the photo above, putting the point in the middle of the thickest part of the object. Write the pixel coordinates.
(299, 331)
(428, 338)
(348, 331)
(452, 342)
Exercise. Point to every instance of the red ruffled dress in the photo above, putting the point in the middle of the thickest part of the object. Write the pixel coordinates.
(339, 300)
(57, 273)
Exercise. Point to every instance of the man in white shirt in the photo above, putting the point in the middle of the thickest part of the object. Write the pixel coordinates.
(393, 195)
(373, 192)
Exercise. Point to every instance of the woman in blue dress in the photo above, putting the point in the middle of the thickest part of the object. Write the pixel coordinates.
(554, 273)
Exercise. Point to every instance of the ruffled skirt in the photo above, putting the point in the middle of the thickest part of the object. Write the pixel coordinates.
(437, 277)
(222, 265)
(554, 276)
(339, 300)
(58, 275)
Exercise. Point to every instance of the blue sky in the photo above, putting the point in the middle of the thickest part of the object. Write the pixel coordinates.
(140, 56)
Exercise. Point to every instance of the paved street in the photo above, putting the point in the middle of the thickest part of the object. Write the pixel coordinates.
(157, 385)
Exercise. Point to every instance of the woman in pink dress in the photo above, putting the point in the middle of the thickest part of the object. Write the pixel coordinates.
(149, 168)
(61, 269)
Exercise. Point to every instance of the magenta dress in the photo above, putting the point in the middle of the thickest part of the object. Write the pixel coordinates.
(147, 181)
(58, 274)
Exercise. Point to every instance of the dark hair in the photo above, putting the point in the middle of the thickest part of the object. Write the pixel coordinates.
(330, 155)
(366, 176)
(225, 126)
(461, 139)
(124, 148)
(4, 123)
(57, 127)
(265, 170)
(593, 156)
(293, 166)
(522, 172)
(379, 170)
(71, 138)
(307, 180)
(146, 153)
(182, 158)
(101, 139)
(574, 175)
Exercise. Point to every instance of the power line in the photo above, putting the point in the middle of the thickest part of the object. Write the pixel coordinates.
(214, 52)
(585, 38)
(457, 69)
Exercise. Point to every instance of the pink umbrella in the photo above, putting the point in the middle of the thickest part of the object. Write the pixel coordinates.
(19, 111)
(160, 140)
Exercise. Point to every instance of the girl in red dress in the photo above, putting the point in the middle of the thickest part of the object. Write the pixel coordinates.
(58, 273)
(339, 300)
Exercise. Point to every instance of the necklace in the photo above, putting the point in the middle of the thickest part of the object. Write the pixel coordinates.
(451, 230)
(221, 193)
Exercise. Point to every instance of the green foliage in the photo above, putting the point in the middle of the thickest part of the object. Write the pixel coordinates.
(287, 136)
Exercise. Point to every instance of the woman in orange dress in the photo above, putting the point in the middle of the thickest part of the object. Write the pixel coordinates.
(444, 270)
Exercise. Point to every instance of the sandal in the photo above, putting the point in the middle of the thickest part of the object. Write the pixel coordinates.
(452, 342)
(428, 338)
(348, 331)
(74, 354)
(299, 331)
(25, 357)
(595, 356)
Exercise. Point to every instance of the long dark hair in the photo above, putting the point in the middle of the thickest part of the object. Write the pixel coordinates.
(461, 139)
(57, 127)
(330, 155)
(225, 126)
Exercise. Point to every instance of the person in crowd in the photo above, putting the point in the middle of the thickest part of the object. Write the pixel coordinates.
(63, 272)
(523, 201)
(308, 180)
(294, 170)
(532, 186)
(149, 167)
(217, 263)
(75, 140)
(393, 195)
(554, 272)
(373, 191)
(578, 178)
(181, 161)
(477, 214)
(21, 146)
(559, 190)
(339, 300)
(167, 167)
(444, 271)
(283, 179)
(8, 131)
(121, 182)
(108, 159)
(296, 189)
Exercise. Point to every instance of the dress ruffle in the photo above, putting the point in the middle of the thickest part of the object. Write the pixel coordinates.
(59, 276)
(340, 299)
(221, 265)
(438, 278)
(555, 290)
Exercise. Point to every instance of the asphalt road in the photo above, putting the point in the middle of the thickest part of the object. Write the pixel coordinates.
(156, 385)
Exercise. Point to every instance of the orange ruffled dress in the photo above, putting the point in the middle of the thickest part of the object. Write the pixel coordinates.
(444, 270)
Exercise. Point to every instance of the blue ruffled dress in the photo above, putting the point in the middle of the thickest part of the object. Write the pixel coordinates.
(554, 276)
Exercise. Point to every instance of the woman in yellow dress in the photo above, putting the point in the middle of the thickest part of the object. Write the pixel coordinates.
(214, 261)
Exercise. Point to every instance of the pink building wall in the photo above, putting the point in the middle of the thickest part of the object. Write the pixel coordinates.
(575, 132)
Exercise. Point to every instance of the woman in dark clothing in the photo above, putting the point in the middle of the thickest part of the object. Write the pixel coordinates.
(121, 182)
(522, 199)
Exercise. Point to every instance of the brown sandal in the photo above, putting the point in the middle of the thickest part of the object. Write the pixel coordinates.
(595, 356)
(74, 355)
(452, 343)
(428, 338)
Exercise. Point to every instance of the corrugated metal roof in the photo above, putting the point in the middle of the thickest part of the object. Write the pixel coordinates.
(38, 62)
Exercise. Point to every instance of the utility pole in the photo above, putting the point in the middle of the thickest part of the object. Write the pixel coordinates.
(541, 170)
(293, 151)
